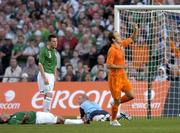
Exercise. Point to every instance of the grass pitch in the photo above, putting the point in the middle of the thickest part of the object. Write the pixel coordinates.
(134, 126)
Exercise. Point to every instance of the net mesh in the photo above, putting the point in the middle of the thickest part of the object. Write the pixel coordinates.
(154, 61)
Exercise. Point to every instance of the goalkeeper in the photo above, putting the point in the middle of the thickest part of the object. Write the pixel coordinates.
(38, 118)
(94, 112)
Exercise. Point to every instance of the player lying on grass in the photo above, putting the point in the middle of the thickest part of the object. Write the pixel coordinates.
(38, 118)
(94, 112)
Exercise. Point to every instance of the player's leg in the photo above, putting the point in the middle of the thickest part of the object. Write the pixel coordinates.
(75, 121)
(48, 93)
(104, 114)
(115, 85)
(46, 118)
(114, 82)
(40, 83)
(124, 115)
(49, 118)
(61, 120)
(47, 101)
(128, 90)
(43, 89)
(99, 115)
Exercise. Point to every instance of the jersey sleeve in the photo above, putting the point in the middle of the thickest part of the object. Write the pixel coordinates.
(14, 121)
(126, 42)
(110, 57)
(56, 58)
(42, 57)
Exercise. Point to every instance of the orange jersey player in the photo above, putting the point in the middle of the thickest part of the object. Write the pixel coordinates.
(176, 51)
(117, 77)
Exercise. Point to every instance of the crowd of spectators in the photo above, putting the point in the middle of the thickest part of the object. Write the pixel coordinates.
(82, 27)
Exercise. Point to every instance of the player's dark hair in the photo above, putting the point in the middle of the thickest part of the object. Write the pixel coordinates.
(51, 36)
(85, 97)
(110, 37)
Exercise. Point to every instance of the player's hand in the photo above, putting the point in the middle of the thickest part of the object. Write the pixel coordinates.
(123, 66)
(46, 81)
(135, 32)
(26, 117)
(56, 78)
(135, 28)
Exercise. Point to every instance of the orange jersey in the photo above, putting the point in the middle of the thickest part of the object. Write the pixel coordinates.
(116, 56)
(175, 49)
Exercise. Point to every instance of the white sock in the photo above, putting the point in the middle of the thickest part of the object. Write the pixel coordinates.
(73, 121)
(47, 104)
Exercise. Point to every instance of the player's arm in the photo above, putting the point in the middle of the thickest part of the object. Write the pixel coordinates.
(41, 68)
(113, 66)
(56, 73)
(132, 38)
(56, 70)
(135, 32)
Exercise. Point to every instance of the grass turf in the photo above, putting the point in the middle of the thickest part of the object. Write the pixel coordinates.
(134, 126)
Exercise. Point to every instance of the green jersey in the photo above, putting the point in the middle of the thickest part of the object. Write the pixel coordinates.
(17, 118)
(48, 59)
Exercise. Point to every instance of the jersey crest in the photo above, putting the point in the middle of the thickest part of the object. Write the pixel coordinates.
(49, 54)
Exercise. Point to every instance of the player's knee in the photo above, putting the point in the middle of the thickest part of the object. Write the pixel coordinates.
(131, 96)
(49, 94)
(116, 101)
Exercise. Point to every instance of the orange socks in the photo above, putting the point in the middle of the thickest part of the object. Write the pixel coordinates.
(114, 110)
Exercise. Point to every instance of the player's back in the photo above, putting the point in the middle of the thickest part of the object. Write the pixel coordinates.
(17, 118)
(89, 106)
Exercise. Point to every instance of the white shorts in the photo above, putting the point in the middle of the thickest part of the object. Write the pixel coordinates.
(41, 85)
(45, 118)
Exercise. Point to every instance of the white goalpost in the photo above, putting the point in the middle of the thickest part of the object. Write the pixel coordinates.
(153, 59)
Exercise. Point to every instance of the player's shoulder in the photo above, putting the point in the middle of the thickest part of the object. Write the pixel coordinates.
(43, 49)
(112, 49)
(127, 40)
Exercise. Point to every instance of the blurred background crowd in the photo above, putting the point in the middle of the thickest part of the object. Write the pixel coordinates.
(82, 27)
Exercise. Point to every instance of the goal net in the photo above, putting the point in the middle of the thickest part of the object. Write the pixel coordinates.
(153, 59)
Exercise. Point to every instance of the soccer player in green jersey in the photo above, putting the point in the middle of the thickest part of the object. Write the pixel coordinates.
(38, 118)
(47, 71)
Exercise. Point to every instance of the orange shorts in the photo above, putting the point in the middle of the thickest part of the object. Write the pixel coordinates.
(118, 84)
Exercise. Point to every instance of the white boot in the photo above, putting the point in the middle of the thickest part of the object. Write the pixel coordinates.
(115, 123)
